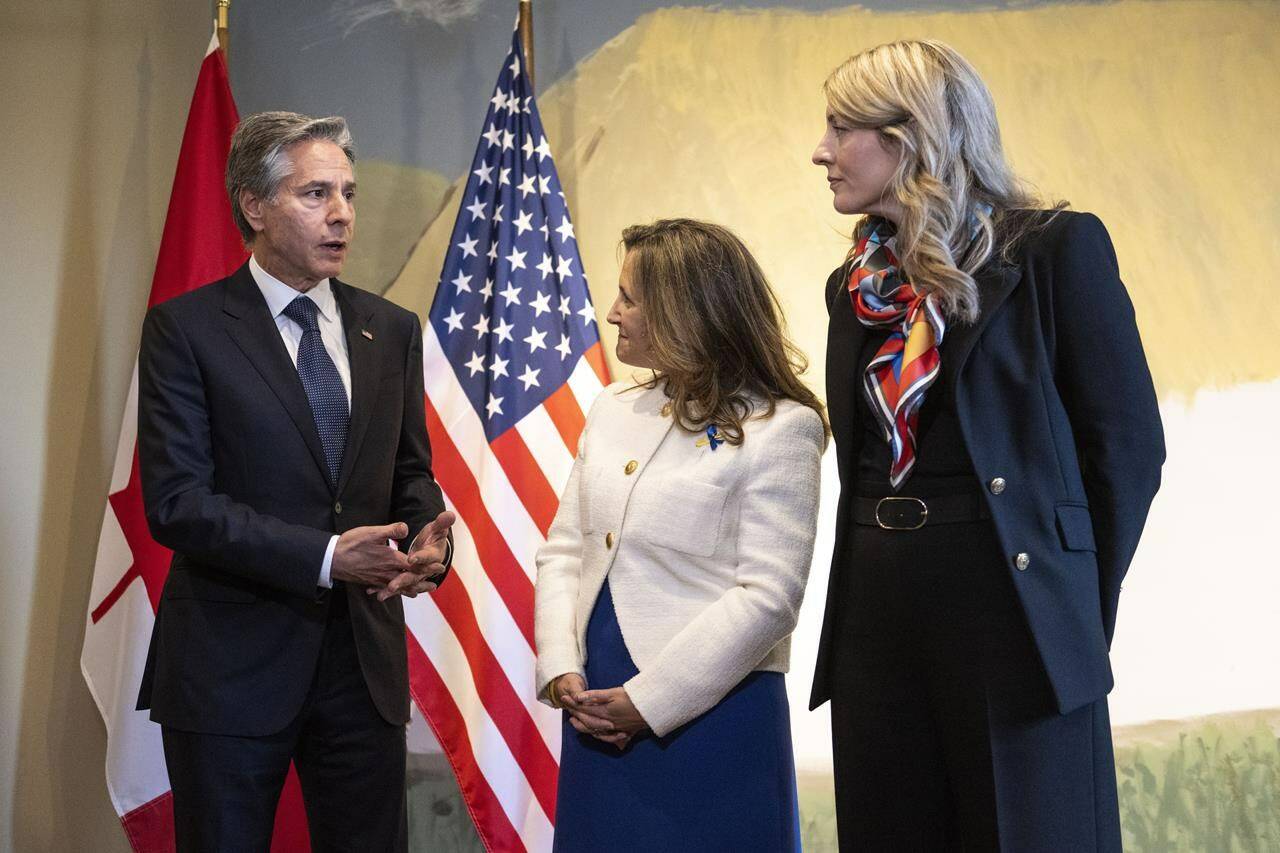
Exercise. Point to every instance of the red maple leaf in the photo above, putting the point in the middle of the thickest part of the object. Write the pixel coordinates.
(150, 559)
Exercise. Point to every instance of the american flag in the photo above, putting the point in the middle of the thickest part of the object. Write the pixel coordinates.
(512, 360)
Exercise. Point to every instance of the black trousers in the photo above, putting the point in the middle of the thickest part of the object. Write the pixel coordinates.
(945, 732)
(350, 762)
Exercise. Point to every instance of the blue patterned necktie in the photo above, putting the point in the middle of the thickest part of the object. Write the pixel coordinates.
(324, 386)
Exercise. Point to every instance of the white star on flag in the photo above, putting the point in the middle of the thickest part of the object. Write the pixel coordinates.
(468, 247)
(503, 331)
(511, 294)
(454, 320)
(545, 266)
(535, 340)
(529, 377)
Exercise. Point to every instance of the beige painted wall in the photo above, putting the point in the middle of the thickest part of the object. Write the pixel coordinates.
(92, 105)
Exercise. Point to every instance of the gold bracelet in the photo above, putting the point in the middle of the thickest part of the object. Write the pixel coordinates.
(552, 697)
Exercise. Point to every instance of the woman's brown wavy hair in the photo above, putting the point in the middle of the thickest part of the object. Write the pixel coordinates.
(715, 327)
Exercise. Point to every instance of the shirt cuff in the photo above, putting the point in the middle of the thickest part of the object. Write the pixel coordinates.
(325, 582)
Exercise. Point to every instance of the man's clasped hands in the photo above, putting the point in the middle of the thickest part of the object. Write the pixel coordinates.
(364, 557)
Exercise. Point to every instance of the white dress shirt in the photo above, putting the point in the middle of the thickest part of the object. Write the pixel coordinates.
(278, 296)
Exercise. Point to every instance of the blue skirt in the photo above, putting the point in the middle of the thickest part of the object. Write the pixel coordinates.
(724, 781)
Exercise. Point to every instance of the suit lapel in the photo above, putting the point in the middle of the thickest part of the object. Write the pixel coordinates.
(995, 282)
(254, 331)
(363, 356)
(845, 338)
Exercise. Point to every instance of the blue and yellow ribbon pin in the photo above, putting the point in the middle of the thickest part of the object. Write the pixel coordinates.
(712, 438)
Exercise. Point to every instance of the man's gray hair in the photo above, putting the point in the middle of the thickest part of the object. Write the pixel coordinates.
(258, 161)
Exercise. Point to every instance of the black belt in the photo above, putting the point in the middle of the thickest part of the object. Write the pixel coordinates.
(905, 513)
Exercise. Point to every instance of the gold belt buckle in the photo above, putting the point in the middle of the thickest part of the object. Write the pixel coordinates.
(924, 513)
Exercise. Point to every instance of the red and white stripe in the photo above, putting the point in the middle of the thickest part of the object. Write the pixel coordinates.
(471, 648)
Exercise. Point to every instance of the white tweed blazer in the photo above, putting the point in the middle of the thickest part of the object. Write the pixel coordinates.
(707, 551)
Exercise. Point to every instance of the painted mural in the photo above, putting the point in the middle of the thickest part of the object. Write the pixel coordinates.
(1160, 116)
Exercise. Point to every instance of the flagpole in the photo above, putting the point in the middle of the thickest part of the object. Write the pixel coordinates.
(221, 22)
(526, 36)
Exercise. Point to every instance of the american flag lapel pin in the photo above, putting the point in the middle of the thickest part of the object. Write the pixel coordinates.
(368, 334)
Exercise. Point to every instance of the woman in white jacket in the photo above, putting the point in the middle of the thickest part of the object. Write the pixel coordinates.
(673, 574)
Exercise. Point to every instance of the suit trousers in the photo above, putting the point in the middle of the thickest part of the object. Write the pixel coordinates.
(350, 763)
(945, 733)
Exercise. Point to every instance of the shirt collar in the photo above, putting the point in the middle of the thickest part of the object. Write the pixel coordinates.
(279, 295)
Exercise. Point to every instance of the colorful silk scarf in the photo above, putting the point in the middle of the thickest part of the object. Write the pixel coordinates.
(908, 363)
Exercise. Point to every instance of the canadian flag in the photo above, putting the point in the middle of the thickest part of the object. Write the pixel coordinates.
(200, 244)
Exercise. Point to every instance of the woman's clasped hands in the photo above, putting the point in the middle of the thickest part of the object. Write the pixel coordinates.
(607, 715)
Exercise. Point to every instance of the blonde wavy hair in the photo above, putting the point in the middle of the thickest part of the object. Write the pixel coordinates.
(715, 326)
(927, 99)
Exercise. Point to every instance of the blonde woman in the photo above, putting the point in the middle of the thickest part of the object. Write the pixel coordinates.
(999, 444)
(673, 573)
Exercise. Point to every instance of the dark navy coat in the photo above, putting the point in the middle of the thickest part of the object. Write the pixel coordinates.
(235, 483)
(1054, 396)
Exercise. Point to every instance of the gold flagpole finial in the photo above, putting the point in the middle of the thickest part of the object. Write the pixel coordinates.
(526, 36)
(223, 10)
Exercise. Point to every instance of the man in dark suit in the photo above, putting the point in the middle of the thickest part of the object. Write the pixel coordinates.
(282, 444)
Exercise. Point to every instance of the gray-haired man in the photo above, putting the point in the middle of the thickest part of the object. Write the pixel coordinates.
(282, 444)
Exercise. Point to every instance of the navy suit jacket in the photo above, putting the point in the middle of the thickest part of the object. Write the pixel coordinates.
(235, 482)
(1053, 395)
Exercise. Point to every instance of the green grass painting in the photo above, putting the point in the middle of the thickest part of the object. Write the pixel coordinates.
(1208, 785)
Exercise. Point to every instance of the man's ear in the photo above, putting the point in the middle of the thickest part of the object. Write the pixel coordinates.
(251, 206)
